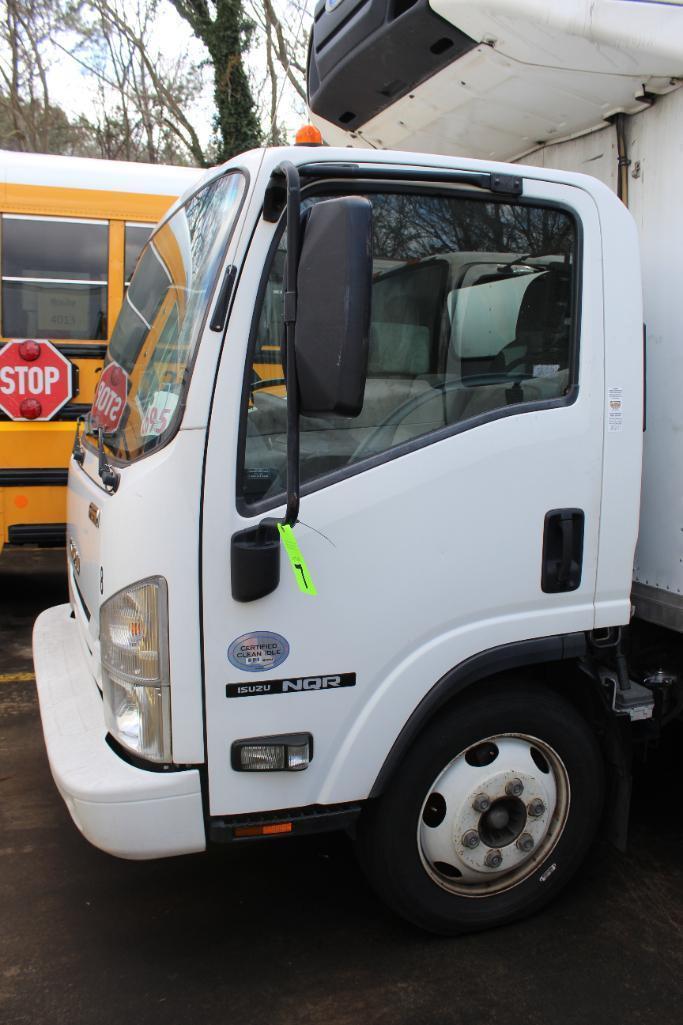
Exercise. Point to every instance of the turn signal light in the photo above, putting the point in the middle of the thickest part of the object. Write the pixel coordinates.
(271, 830)
(308, 135)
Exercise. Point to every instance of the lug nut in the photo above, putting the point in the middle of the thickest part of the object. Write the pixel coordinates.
(536, 807)
(514, 788)
(470, 838)
(481, 803)
(525, 842)
(494, 859)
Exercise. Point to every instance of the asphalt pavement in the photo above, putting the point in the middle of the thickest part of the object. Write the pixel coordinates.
(287, 932)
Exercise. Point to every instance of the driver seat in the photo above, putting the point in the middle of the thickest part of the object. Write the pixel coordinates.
(539, 351)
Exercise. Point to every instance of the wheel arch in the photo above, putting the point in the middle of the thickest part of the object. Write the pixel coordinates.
(478, 669)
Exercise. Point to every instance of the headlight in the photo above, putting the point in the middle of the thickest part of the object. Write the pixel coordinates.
(135, 676)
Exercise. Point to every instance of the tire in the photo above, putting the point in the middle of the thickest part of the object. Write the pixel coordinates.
(420, 854)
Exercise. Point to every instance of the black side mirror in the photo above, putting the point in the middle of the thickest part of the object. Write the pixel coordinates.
(334, 291)
(327, 321)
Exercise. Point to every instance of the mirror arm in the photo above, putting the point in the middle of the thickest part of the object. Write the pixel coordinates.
(293, 246)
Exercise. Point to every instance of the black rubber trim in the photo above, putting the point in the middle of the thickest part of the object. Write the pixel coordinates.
(644, 377)
(316, 818)
(86, 610)
(490, 181)
(33, 477)
(143, 763)
(84, 350)
(71, 411)
(479, 667)
(45, 535)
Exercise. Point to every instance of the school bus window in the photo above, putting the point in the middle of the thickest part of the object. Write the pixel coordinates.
(54, 277)
(269, 333)
(136, 236)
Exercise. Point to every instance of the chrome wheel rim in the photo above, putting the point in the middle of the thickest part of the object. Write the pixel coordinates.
(493, 815)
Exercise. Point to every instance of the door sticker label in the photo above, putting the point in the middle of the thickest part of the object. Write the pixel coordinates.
(615, 409)
(158, 414)
(258, 652)
(294, 685)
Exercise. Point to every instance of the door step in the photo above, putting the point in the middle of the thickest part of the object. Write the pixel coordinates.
(637, 702)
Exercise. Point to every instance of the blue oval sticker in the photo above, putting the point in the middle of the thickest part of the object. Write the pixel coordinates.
(259, 651)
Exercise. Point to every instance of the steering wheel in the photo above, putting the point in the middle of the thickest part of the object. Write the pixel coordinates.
(271, 382)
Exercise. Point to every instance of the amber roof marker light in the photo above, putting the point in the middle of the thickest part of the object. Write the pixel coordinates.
(308, 135)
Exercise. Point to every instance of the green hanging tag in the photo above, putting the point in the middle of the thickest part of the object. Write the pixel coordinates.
(296, 559)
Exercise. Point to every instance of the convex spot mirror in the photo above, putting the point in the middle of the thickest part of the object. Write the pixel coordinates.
(334, 286)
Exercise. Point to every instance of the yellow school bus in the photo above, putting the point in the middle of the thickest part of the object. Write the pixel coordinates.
(71, 230)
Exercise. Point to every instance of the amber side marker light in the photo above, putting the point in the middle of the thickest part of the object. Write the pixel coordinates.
(308, 135)
(271, 830)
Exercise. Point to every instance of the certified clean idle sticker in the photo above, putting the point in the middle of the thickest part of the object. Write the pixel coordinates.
(259, 651)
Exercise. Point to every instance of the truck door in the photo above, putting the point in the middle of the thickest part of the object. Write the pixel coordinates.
(457, 513)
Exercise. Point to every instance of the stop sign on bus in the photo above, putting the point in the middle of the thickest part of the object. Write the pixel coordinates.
(110, 398)
(35, 379)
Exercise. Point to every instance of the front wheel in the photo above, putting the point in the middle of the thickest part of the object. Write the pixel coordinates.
(489, 815)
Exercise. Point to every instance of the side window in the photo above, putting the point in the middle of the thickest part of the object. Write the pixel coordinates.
(471, 315)
(54, 277)
(136, 235)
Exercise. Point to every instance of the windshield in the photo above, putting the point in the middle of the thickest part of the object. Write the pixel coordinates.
(149, 356)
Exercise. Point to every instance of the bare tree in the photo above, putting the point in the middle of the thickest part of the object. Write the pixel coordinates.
(143, 94)
(141, 89)
(283, 31)
(29, 119)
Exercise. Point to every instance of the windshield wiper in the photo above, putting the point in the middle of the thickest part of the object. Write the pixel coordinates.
(78, 452)
(108, 475)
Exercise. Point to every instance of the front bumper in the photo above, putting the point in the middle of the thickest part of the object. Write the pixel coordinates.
(129, 812)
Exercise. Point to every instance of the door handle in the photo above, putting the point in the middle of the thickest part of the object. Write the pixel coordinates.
(567, 531)
(562, 561)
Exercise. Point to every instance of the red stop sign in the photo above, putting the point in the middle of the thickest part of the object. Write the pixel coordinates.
(110, 398)
(35, 379)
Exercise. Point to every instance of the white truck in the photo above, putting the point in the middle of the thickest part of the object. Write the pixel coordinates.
(351, 529)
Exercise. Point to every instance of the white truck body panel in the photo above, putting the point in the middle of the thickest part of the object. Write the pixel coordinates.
(122, 809)
(541, 72)
(655, 151)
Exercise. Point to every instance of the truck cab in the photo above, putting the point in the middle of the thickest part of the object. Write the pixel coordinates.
(354, 550)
